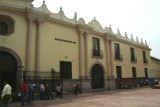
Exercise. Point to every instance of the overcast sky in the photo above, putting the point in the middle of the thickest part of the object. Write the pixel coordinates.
(140, 18)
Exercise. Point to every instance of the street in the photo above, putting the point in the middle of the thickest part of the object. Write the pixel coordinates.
(137, 97)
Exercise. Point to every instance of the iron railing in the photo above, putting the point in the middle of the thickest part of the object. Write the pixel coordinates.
(119, 57)
(133, 59)
(97, 53)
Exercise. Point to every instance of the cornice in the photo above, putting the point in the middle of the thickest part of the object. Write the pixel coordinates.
(58, 21)
(12, 9)
(132, 44)
(84, 28)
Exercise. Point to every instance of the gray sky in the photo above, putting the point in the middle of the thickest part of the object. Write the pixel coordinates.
(140, 18)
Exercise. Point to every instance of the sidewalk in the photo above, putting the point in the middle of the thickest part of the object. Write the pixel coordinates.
(137, 97)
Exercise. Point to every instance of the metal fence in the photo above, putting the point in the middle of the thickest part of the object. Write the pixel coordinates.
(47, 78)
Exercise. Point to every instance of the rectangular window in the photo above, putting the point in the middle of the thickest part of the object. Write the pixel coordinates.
(146, 72)
(133, 58)
(144, 57)
(119, 72)
(96, 46)
(117, 51)
(66, 70)
(134, 72)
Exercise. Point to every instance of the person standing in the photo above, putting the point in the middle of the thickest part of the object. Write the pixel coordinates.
(58, 90)
(32, 91)
(48, 92)
(42, 92)
(6, 93)
(23, 94)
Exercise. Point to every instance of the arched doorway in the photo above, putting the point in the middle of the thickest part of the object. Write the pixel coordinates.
(8, 69)
(97, 75)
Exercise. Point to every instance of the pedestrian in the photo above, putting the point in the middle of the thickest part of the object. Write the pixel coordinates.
(48, 93)
(24, 94)
(6, 93)
(29, 92)
(32, 90)
(42, 92)
(59, 90)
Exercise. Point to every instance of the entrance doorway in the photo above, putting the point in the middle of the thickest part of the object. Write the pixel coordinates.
(66, 70)
(8, 69)
(97, 77)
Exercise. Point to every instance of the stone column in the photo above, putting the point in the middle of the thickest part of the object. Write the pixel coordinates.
(112, 66)
(112, 59)
(29, 45)
(86, 56)
(38, 40)
(81, 56)
(108, 63)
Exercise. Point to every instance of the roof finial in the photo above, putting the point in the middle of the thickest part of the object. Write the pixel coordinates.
(132, 38)
(75, 14)
(145, 42)
(94, 18)
(118, 31)
(109, 26)
(141, 41)
(43, 1)
(137, 39)
(61, 8)
(126, 35)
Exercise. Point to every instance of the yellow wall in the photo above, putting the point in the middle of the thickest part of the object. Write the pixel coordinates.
(17, 40)
(53, 51)
(126, 65)
(155, 68)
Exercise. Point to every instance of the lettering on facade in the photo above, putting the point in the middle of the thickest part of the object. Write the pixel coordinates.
(63, 40)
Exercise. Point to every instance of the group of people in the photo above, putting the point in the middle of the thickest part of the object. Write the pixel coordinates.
(45, 92)
(28, 91)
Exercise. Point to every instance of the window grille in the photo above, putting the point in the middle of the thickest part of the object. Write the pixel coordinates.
(3, 28)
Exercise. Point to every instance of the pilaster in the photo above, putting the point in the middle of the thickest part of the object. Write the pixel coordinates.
(29, 45)
(86, 56)
(108, 62)
(81, 55)
(112, 79)
(38, 42)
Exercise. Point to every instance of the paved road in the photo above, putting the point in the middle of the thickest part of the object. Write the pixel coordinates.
(137, 97)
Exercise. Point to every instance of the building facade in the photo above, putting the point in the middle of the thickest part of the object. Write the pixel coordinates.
(155, 68)
(34, 39)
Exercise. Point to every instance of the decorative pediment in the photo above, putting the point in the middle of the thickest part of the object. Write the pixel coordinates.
(61, 16)
(96, 25)
(81, 21)
(43, 8)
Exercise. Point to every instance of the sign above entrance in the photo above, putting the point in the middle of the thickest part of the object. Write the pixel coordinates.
(63, 40)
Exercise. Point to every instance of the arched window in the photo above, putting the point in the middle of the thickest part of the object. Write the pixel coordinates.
(3, 28)
(7, 25)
